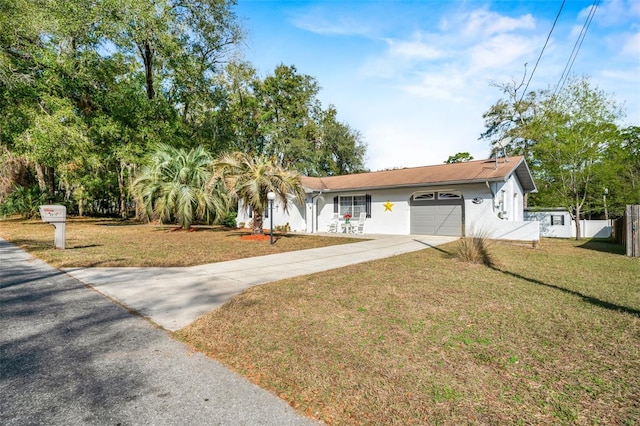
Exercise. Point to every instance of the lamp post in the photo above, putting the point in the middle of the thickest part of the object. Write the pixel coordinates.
(271, 196)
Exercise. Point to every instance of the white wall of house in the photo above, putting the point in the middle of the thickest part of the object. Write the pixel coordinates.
(382, 221)
(480, 211)
(483, 212)
(295, 216)
(508, 199)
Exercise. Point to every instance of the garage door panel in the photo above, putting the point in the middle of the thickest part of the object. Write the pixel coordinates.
(433, 219)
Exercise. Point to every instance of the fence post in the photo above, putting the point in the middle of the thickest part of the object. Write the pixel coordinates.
(633, 231)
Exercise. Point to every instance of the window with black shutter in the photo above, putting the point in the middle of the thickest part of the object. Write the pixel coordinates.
(352, 205)
(368, 205)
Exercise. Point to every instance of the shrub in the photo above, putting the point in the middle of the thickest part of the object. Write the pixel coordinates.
(283, 228)
(230, 220)
(24, 201)
(475, 249)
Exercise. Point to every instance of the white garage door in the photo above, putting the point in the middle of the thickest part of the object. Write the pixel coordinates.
(436, 216)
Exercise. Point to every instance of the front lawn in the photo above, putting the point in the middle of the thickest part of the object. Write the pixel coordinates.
(111, 242)
(547, 336)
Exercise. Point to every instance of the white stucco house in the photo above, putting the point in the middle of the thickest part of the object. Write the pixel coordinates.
(460, 199)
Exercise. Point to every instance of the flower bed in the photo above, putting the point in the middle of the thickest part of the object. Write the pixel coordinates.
(257, 237)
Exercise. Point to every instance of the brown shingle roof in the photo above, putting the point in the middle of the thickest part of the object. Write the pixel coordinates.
(457, 173)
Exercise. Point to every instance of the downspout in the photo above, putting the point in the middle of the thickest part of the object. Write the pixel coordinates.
(314, 217)
(493, 197)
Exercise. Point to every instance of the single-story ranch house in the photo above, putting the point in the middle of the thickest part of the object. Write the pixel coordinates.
(461, 199)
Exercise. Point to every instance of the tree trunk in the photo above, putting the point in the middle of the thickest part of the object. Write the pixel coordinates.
(577, 221)
(121, 189)
(147, 58)
(257, 223)
(51, 175)
(42, 182)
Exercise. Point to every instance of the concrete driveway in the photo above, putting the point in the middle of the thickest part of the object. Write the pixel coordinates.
(175, 297)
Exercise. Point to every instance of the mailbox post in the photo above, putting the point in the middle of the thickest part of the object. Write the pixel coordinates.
(57, 216)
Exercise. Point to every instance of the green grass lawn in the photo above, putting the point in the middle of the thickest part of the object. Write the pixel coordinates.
(545, 336)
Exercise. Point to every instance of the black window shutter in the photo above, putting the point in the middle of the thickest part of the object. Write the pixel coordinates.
(335, 204)
(250, 212)
(368, 205)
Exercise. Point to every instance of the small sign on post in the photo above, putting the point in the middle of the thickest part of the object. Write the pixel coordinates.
(57, 216)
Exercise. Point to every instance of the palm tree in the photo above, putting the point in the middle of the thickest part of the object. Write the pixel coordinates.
(249, 179)
(180, 185)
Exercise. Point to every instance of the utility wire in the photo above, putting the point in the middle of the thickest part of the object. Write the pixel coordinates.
(542, 51)
(576, 48)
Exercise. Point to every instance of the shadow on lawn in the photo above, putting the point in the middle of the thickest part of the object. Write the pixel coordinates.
(31, 245)
(83, 247)
(114, 223)
(588, 299)
(434, 247)
(605, 245)
(276, 235)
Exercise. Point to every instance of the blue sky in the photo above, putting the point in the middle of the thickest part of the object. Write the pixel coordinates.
(414, 77)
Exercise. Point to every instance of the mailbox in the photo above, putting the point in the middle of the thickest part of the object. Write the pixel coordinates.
(57, 216)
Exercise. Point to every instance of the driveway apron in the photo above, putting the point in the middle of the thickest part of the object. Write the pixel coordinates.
(69, 356)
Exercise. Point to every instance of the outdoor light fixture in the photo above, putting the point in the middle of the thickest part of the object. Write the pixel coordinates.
(271, 196)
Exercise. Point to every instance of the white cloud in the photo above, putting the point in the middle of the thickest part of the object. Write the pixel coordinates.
(501, 51)
(450, 66)
(614, 13)
(631, 45)
(443, 86)
(321, 21)
(484, 22)
(414, 49)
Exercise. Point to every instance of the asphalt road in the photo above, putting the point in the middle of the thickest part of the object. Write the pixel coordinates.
(69, 356)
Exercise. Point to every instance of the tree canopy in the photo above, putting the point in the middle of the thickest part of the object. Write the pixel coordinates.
(88, 89)
(180, 186)
(460, 157)
(250, 178)
(572, 139)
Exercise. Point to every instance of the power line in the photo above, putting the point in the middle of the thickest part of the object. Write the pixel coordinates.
(576, 48)
(543, 48)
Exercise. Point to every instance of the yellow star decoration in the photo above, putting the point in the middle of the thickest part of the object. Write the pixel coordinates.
(387, 206)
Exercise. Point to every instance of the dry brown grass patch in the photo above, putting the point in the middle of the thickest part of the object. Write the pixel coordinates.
(475, 249)
(110, 242)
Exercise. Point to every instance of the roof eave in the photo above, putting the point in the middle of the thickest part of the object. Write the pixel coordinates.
(413, 185)
(523, 173)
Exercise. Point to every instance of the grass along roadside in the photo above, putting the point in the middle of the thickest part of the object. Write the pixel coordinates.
(545, 336)
(111, 242)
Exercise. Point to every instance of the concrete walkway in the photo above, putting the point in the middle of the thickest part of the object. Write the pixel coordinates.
(68, 356)
(175, 297)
